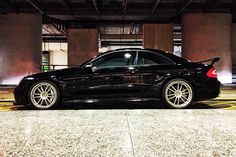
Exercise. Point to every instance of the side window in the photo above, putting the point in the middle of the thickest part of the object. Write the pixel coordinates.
(115, 59)
(145, 58)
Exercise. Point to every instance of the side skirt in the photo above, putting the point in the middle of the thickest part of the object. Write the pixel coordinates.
(110, 100)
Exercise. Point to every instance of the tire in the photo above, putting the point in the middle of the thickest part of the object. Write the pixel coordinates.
(44, 95)
(178, 93)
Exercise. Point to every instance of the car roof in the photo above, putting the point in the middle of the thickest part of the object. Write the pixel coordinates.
(161, 52)
(126, 49)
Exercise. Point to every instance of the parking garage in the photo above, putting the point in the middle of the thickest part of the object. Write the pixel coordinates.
(40, 36)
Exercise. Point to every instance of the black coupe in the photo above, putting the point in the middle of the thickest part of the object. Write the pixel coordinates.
(124, 74)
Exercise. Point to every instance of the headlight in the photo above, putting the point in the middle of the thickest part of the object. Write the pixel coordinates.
(29, 78)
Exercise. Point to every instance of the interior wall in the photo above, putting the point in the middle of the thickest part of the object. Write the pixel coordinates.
(20, 46)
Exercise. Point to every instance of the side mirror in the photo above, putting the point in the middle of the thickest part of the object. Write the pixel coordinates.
(88, 67)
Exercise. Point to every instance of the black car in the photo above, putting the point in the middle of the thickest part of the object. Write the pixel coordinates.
(123, 74)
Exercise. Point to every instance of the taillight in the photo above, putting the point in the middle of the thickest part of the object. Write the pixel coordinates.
(211, 73)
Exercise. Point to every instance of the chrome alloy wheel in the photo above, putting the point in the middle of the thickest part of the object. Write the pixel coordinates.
(178, 94)
(43, 95)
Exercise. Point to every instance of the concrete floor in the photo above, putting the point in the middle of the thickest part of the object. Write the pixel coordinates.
(206, 129)
(138, 132)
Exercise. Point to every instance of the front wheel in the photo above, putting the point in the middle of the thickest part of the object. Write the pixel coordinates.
(44, 95)
(178, 93)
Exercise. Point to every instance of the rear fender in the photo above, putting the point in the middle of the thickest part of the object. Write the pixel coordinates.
(167, 79)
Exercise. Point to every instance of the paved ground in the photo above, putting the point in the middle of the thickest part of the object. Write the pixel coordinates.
(138, 132)
(206, 129)
(211, 104)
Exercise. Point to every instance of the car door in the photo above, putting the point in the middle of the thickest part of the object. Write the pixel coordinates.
(123, 76)
(104, 77)
(89, 84)
(152, 66)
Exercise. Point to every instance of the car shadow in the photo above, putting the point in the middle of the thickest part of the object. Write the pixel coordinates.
(120, 106)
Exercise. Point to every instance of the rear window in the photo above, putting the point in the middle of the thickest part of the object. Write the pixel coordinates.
(174, 58)
(150, 58)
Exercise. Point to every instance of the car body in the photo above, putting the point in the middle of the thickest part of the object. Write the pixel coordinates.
(127, 74)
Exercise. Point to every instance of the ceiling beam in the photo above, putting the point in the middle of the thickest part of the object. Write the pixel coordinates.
(37, 5)
(54, 39)
(232, 8)
(120, 22)
(3, 10)
(210, 6)
(121, 36)
(105, 2)
(96, 6)
(67, 5)
(183, 6)
(154, 7)
(129, 36)
(121, 43)
(7, 5)
(125, 6)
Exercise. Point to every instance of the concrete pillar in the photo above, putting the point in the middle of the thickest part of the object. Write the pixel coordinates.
(233, 44)
(20, 46)
(82, 45)
(158, 36)
(206, 36)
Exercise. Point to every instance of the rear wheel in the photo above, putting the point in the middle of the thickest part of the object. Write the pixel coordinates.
(178, 93)
(44, 95)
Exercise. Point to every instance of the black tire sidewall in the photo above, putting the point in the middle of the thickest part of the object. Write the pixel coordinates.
(164, 89)
(44, 81)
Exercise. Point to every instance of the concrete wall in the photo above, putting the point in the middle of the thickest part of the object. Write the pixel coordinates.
(82, 45)
(158, 36)
(20, 46)
(233, 43)
(207, 36)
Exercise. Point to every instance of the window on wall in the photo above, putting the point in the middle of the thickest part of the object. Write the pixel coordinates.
(45, 60)
(57, 58)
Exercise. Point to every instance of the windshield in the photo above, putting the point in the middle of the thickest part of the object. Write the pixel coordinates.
(83, 64)
(88, 61)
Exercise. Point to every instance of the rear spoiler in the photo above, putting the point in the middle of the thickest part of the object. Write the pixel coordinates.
(213, 60)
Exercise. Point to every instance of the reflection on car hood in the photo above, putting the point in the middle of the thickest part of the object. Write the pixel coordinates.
(61, 72)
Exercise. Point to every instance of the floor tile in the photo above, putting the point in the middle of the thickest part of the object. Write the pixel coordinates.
(104, 142)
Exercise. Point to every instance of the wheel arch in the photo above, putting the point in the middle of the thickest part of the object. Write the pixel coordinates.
(178, 77)
(55, 82)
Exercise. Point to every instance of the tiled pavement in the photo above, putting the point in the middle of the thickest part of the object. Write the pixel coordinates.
(192, 132)
(205, 129)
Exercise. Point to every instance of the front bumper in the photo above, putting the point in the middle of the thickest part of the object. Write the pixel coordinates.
(21, 92)
(20, 97)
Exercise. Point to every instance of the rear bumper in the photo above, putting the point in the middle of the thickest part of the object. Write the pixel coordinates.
(208, 89)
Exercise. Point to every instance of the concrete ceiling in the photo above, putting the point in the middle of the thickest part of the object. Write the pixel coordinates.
(117, 11)
(112, 17)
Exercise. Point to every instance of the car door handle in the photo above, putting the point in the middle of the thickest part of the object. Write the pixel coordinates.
(133, 71)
